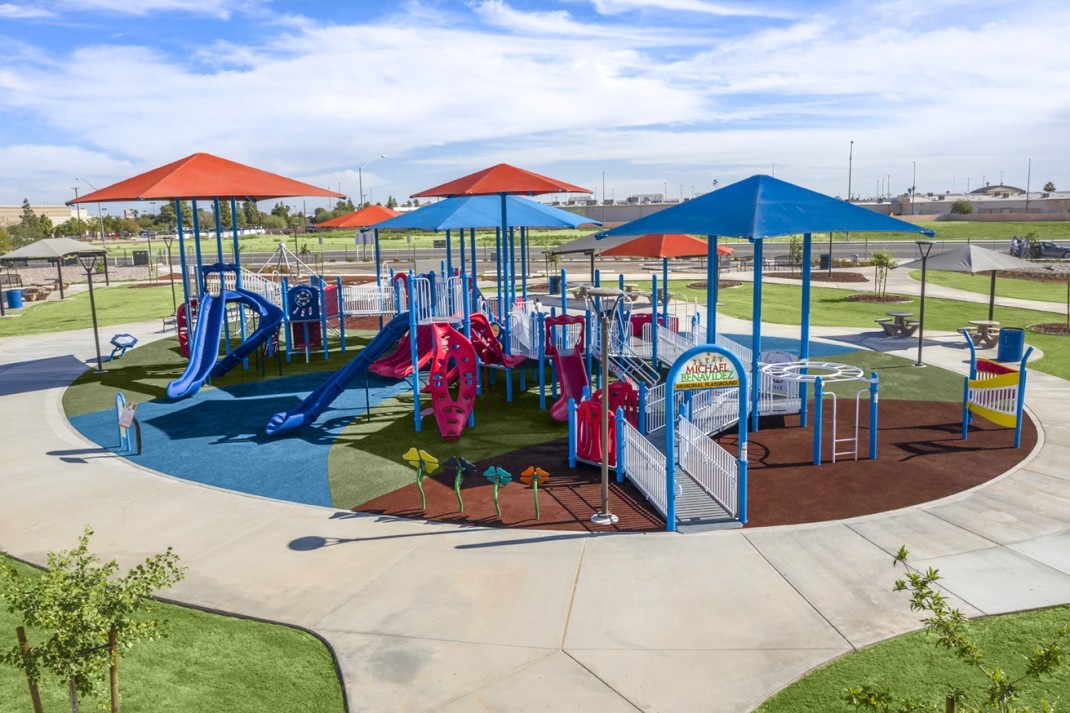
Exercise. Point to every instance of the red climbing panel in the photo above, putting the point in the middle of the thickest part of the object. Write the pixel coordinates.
(453, 357)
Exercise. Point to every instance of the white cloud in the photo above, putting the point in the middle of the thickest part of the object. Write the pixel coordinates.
(24, 12)
(144, 8)
(612, 7)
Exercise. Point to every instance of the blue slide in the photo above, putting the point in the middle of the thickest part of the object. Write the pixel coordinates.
(310, 409)
(204, 349)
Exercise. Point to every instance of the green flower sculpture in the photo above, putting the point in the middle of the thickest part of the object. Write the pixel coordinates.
(500, 478)
(425, 464)
(534, 477)
(463, 469)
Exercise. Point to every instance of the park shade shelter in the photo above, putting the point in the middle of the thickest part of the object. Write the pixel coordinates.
(471, 212)
(202, 176)
(973, 259)
(54, 250)
(502, 180)
(665, 246)
(756, 208)
(369, 215)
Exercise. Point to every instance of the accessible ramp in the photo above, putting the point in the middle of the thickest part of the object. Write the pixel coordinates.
(316, 402)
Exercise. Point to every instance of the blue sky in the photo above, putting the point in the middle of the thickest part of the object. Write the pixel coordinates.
(656, 94)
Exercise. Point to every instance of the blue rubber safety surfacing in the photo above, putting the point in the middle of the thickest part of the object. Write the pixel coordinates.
(217, 437)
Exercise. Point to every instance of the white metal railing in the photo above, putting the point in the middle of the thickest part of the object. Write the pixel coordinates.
(270, 290)
(712, 467)
(370, 299)
(671, 346)
(449, 302)
(644, 465)
(777, 395)
(524, 333)
(567, 338)
(744, 353)
(655, 408)
(423, 303)
(718, 411)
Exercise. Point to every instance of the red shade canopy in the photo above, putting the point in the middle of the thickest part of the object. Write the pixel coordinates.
(502, 178)
(665, 245)
(203, 176)
(361, 218)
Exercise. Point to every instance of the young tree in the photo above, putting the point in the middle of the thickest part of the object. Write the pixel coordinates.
(962, 207)
(882, 260)
(92, 615)
(30, 227)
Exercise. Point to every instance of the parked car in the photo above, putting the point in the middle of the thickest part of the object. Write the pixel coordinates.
(1050, 249)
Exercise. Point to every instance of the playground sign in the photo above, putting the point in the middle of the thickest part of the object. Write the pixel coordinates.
(706, 371)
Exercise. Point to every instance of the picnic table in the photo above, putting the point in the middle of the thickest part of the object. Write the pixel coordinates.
(987, 333)
(898, 324)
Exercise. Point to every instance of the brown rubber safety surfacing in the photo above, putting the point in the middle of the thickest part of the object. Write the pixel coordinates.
(921, 457)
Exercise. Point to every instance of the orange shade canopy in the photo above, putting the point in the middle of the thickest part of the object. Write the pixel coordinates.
(499, 179)
(204, 176)
(361, 218)
(664, 245)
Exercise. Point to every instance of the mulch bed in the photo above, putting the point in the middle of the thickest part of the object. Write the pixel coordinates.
(870, 297)
(1060, 329)
(921, 457)
(721, 284)
(822, 276)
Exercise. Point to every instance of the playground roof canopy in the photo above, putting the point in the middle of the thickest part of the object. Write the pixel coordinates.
(500, 179)
(664, 245)
(51, 249)
(369, 215)
(763, 207)
(483, 211)
(203, 176)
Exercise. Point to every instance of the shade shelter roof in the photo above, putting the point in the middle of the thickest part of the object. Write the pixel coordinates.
(665, 245)
(500, 179)
(971, 259)
(204, 176)
(50, 249)
(369, 215)
(484, 212)
(762, 207)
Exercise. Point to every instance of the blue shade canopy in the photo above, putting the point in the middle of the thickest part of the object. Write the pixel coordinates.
(763, 207)
(484, 212)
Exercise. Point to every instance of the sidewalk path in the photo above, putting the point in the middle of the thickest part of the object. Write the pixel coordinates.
(434, 617)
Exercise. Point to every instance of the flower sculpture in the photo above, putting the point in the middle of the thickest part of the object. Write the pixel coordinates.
(534, 477)
(425, 464)
(500, 478)
(463, 469)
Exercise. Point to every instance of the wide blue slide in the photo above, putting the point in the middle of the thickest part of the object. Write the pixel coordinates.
(204, 349)
(316, 402)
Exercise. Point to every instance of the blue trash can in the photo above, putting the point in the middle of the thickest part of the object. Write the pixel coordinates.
(1011, 344)
(555, 284)
(14, 299)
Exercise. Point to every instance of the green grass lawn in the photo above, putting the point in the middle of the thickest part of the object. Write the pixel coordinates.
(115, 305)
(1005, 286)
(913, 666)
(830, 308)
(205, 662)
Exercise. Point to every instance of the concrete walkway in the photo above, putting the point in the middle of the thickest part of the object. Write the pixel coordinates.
(433, 617)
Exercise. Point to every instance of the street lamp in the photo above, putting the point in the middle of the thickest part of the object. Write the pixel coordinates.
(89, 261)
(103, 239)
(924, 247)
(360, 178)
(594, 295)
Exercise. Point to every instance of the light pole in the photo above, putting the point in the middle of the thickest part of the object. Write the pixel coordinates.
(89, 261)
(924, 247)
(913, 186)
(360, 178)
(78, 209)
(850, 166)
(594, 296)
(103, 238)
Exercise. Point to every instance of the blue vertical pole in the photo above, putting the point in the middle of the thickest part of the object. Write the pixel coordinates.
(512, 268)
(665, 290)
(756, 343)
(819, 394)
(713, 279)
(804, 328)
(642, 407)
(466, 300)
(564, 293)
(449, 256)
(378, 260)
(654, 321)
(182, 259)
(218, 232)
(237, 265)
(965, 408)
(475, 265)
(498, 266)
(413, 354)
(286, 315)
(321, 286)
(542, 361)
(620, 443)
(587, 343)
(1021, 399)
(341, 312)
(524, 264)
(197, 242)
(572, 433)
(874, 388)
(463, 268)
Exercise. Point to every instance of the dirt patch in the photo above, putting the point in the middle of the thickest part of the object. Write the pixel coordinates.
(921, 457)
(721, 284)
(1060, 329)
(870, 297)
(823, 276)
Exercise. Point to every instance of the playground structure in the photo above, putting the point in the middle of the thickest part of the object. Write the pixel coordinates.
(994, 391)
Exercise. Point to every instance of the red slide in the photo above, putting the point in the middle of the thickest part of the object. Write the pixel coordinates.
(398, 364)
(487, 345)
(571, 371)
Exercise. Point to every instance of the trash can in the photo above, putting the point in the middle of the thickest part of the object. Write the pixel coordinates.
(555, 284)
(1011, 344)
(141, 257)
(824, 261)
(14, 299)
